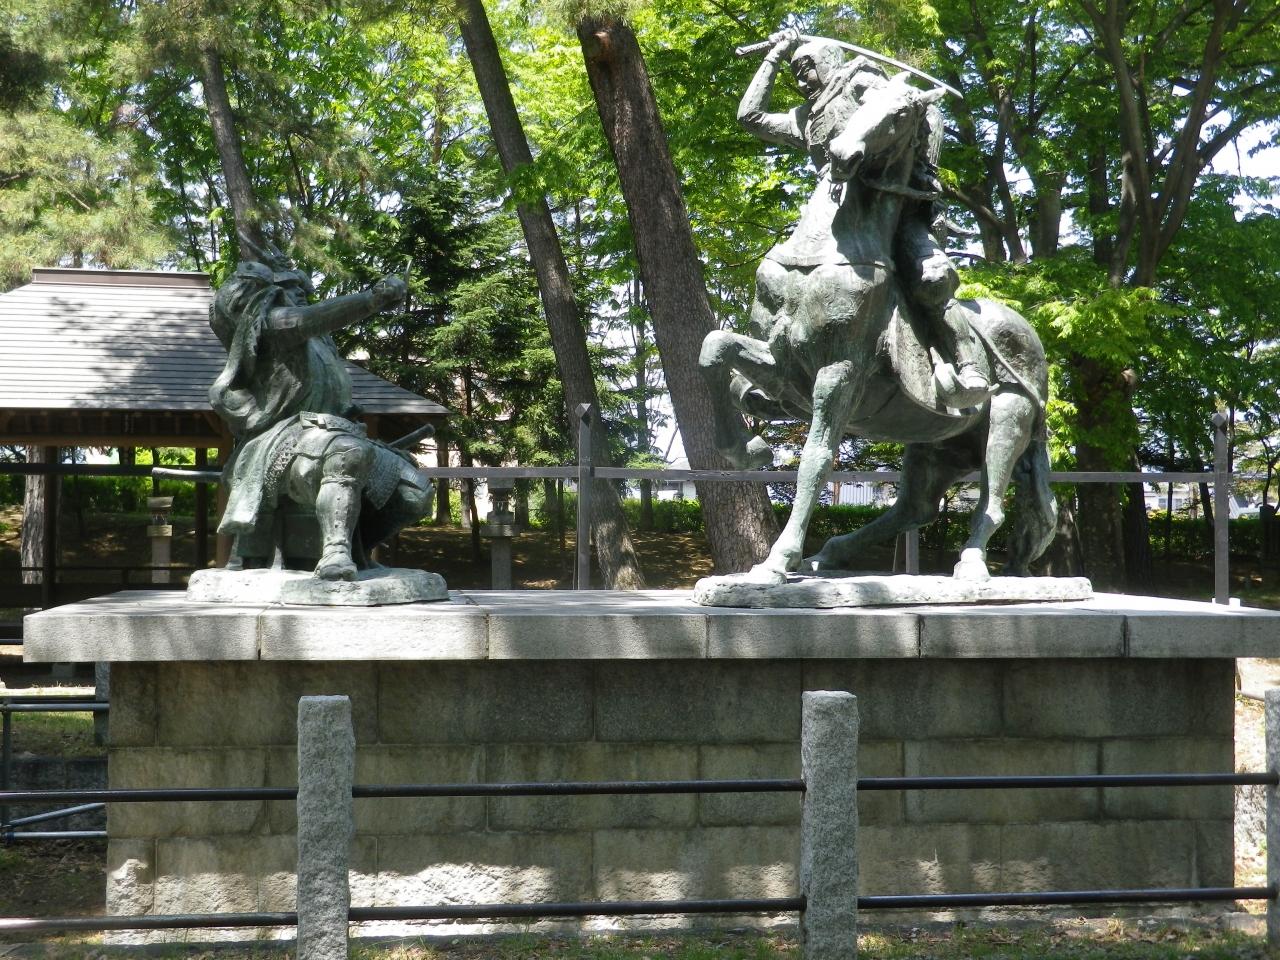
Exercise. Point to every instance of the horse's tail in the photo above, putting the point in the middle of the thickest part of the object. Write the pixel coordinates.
(1035, 508)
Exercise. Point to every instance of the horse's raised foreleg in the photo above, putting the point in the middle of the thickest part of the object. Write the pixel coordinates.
(734, 365)
(834, 391)
(1012, 417)
(927, 471)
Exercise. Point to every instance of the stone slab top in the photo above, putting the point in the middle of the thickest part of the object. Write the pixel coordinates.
(163, 625)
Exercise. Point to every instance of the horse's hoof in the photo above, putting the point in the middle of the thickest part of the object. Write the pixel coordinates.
(752, 455)
(972, 566)
(820, 564)
(763, 573)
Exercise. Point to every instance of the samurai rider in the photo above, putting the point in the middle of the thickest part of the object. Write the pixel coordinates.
(834, 89)
(287, 397)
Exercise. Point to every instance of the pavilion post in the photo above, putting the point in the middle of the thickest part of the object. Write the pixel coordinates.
(49, 546)
(223, 553)
(202, 512)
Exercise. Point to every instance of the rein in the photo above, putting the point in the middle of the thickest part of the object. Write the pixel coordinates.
(900, 190)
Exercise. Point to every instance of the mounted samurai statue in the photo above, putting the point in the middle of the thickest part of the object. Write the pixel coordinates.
(856, 329)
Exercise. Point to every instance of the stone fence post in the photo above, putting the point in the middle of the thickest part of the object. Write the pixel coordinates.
(829, 826)
(1271, 717)
(160, 533)
(326, 771)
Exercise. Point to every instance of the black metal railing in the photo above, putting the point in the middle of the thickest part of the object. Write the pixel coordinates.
(39, 703)
(96, 798)
(416, 912)
(1219, 477)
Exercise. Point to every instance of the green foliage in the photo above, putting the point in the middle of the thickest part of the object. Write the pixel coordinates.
(1078, 314)
(1191, 538)
(11, 489)
(367, 145)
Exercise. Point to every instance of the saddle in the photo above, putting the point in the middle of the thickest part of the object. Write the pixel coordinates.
(906, 347)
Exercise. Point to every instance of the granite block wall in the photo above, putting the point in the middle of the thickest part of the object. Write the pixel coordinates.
(233, 724)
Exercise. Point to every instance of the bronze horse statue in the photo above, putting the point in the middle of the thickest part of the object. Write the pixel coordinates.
(838, 343)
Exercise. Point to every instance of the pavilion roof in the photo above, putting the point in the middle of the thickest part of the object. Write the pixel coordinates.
(125, 357)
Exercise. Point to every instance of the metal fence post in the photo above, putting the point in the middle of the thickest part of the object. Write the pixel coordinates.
(584, 413)
(1221, 511)
(1271, 717)
(829, 826)
(326, 771)
(6, 755)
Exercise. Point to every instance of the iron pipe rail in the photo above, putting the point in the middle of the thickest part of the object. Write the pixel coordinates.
(480, 911)
(174, 921)
(608, 908)
(637, 473)
(574, 788)
(1265, 778)
(71, 706)
(571, 788)
(148, 795)
(363, 791)
(53, 815)
(617, 908)
(939, 901)
(14, 836)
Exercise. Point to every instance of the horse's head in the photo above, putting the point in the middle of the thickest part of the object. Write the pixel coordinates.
(884, 127)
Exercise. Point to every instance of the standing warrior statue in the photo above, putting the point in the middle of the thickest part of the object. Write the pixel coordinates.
(287, 398)
(833, 91)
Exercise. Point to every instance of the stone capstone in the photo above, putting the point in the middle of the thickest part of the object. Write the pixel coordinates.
(851, 590)
(370, 588)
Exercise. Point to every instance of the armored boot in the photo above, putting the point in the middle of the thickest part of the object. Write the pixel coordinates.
(337, 509)
(962, 384)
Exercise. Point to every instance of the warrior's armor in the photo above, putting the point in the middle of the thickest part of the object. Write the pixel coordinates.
(287, 398)
(834, 91)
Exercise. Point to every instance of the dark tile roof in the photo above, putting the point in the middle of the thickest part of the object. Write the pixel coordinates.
(132, 340)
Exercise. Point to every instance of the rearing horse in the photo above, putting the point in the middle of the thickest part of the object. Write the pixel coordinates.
(837, 343)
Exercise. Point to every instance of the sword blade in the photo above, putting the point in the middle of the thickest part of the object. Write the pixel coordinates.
(882, 58)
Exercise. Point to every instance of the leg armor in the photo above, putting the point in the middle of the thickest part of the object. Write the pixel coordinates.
(343, 469)
(931, 282)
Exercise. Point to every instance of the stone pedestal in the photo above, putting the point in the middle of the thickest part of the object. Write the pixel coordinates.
(525, 685)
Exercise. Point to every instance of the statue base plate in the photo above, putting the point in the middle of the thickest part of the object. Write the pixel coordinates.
(838, 589)
(370, 588)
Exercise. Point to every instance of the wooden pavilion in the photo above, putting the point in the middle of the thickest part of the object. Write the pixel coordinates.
(124, 358)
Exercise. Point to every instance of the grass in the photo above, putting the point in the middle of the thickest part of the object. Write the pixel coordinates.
(67, 735)
(52, 878)
(1059, 942)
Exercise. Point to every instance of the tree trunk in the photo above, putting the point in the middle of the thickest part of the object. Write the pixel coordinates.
(646, 505)
(737, 516)
(128, 493)
(444, 514)
(1114, 540)
(1138, 566)
(522, 505)
(1064, 557)
(619, 565)
(230, 151)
